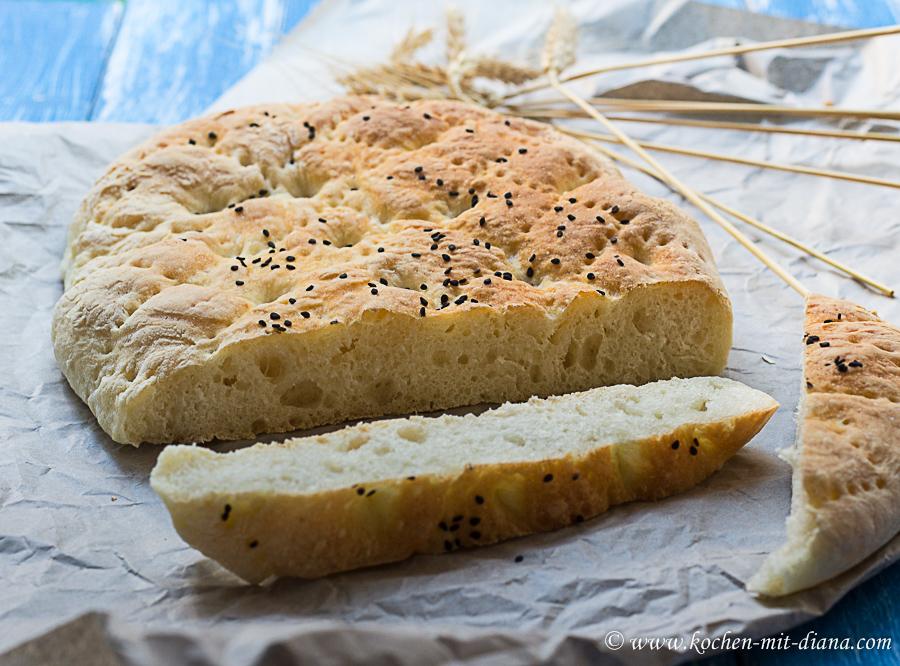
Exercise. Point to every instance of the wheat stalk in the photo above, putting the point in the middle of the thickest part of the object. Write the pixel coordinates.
(406, 48)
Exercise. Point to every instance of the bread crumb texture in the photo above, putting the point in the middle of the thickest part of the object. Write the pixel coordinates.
(379, 492)
(281, 267)
(846, 481)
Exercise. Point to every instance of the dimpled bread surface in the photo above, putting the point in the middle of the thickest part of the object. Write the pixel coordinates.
(282, 267)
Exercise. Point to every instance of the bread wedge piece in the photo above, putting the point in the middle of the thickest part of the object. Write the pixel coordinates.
(846, 462)
(379, 492)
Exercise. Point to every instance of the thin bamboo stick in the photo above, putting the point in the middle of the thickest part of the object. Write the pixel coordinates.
(753, 222)
(679, 106)
(768, 129)
(832, 38)
(778, 166)
(687, 192)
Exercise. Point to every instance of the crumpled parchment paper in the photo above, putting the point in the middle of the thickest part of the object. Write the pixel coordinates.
(82, 532)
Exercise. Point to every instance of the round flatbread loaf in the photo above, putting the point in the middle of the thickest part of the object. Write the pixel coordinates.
(281, 267)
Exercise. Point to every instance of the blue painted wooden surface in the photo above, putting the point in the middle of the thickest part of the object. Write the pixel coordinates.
(164, 61)
(52, 56)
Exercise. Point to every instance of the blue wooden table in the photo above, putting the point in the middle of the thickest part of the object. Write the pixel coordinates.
(162, 61)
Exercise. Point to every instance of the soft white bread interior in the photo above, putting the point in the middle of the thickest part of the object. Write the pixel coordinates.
(380, 492)
(846, 463)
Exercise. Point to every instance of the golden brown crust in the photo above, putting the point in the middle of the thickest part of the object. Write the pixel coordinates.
(286, 534)
(195, 237)
(846, 494)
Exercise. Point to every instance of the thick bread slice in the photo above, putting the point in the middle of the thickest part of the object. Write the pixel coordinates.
(282, 267)
(846, 478)
(382, 491)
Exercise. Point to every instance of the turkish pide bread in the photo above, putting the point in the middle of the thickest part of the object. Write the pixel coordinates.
(379, 492)
(281, 267)
(846, 462)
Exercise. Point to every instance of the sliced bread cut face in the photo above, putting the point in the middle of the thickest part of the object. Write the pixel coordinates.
(382, 491)
(846, 462)
(286, 266)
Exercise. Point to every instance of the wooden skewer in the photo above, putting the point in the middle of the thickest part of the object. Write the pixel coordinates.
(687, 192)
(752, 222)
(678, 106)
(778, 166)
(769, 129)
(846, 36)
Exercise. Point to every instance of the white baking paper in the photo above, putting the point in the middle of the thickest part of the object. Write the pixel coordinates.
(83, 536)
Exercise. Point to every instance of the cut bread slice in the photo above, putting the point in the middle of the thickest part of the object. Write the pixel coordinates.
(846, 462)
(380, 492)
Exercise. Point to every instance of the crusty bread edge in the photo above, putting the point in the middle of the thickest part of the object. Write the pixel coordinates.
(267, 534)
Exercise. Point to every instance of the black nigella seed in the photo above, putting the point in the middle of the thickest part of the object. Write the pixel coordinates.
(532, 257)
(506, 122)
(561, 227)
(444, 298)
(548, 478)
(254, 124)
(443, 525)
(374, 292)
(479, 499)
(212, 136)
(434, 246)
(263, 193)
(508, 195)
(812, 339)
(476, 242)
(613, 240)
(422, 300)
(360, 491)
(824, 344)
(696, 443)
(239, 283)
(481, 222)
(600, 219)
(290, 257)
(426, 116)
(589, 255)
(453, 193)
(448, 546)
(381, 249)
(475, 200)
(558, 209)
(471, 190)
(370, 493)
(254, 543)
(323, 220)
(304, 314)
(522, 151)
(498, 274)
(445, 257)
(451, 247)
(266, 233)
(423, 287)
(418, 169)
(519, 558)
(421, 312)
(287, 322)
(624, 221)
(570, 217)
(262, 323)
(234, 268)
(416, 255)
(310, 287)
(439, 182)
(274, 315)
(383, 281)
(842, 368)
(614, 209)
(312, 241)
(226, 512)
(453, 528)
(591, 276)
(693, 450)
(343, 276)
(239, 209)
(855, 364)
(559, 234)
(365, 117)
(809, 384)
(554, 261)
(192, 142)
(620, 262)
(454, 283)
(421, 176)
(675, 445)
(292, 300)
(573, 200)
(487, 281)
(576, 476)
(530, 272)
(487, 246)
(470, 131)
(474, 521)
(475, 534)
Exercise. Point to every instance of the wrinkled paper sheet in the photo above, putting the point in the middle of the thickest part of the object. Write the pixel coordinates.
(82, 532)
